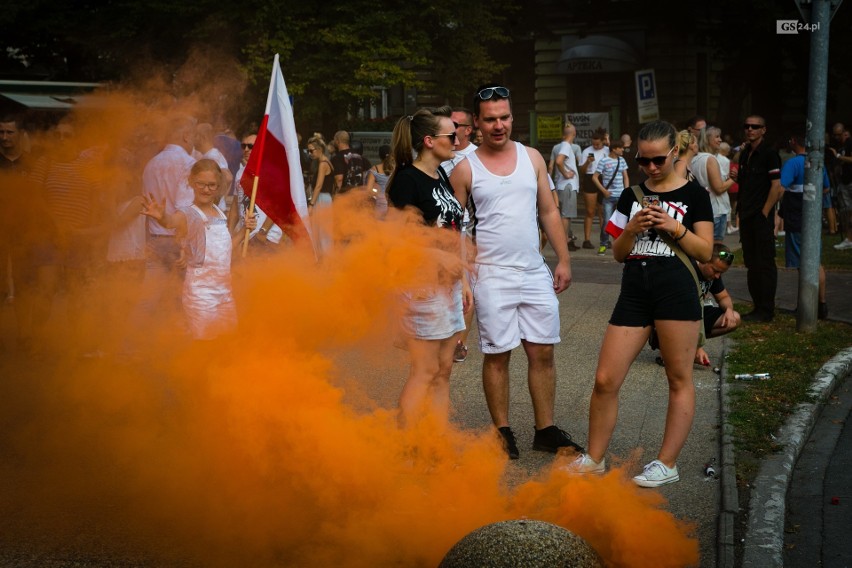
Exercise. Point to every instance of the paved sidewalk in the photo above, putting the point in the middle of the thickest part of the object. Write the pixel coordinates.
(715, 527)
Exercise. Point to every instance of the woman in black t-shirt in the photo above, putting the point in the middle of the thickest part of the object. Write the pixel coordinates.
(433, 315)
(657, 289)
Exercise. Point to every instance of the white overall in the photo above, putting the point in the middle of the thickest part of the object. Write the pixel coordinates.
(207, 299)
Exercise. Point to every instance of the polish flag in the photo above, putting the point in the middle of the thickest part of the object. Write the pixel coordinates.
(273, 174)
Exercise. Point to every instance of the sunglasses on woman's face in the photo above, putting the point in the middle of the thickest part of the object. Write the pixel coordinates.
(489, 92)
(656, 160)
(451, 135)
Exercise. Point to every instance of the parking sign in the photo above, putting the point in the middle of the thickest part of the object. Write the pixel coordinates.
(646, 96)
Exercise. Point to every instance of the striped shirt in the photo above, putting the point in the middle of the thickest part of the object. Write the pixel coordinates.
(69, 190)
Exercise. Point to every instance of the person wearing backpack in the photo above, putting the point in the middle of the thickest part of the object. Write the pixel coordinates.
(348, 165)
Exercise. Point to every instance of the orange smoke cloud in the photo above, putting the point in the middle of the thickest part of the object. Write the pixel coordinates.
(274, 448)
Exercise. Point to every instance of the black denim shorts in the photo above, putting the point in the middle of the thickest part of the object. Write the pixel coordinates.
(656, 289)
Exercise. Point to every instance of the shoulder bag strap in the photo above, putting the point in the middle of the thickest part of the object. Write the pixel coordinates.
(612, 179)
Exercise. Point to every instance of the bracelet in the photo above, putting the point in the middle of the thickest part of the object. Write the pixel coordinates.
(685, 231)
(262, 230)
(676, 230)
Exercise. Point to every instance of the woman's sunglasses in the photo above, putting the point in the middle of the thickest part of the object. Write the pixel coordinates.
(656, 160)
(452, 136)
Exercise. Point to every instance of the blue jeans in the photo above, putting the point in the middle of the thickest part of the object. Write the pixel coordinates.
(720, 223)
(608, 209)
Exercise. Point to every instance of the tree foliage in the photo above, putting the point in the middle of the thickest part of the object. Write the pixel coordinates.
(333, 55)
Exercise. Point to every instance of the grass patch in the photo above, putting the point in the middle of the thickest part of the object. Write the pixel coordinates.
(759, 408)
(831, 259)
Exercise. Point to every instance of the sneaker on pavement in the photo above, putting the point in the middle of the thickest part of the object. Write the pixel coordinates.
(845, 244)
(601, 250)
(589, 245)
(509, 443)
(572, 247)
(584, 464)
(461, 353)
(656, 474)
(550, 439)
(731, 230)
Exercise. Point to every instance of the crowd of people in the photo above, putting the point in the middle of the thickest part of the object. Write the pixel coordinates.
(664, 206)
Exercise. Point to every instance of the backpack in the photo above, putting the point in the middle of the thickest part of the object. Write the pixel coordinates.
(354, 175)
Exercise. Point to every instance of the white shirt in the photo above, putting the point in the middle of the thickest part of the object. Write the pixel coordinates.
(599, 155)
(506, 213)
(461, 154)
(166, 177)
(721, 203)
(570, 164)
(275, 233)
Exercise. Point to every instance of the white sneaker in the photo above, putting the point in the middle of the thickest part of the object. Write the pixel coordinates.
(732, 230)
(655, 474)
(846, 244)
(584, 464)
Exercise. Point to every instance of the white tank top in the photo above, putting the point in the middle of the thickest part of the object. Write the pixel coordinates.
(506, 213)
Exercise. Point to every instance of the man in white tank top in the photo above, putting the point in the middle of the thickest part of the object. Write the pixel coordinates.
(514, 290)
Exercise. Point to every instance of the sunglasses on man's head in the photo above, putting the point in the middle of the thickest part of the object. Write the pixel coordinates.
(656, 160)
(489, 92)
(749, 126)
(726, 256)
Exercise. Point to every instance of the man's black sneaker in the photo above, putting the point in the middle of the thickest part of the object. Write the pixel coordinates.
(756, 316)
(509, 443)
(550, 439)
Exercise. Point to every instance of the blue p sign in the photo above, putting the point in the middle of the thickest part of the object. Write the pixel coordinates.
(646, 86)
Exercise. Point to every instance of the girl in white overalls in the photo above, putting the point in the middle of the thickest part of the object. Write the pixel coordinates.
(206, 244)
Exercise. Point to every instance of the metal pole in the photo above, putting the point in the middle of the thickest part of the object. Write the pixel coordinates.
(820, 19)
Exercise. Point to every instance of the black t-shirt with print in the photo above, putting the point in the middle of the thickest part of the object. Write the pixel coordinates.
(714, 286)
(433, 197)
(688, 204)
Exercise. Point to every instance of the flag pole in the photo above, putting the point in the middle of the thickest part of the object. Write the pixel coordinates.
(250, 210)
(250, 213)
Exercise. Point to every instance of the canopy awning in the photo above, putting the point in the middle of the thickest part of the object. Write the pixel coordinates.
(597, 54)
(42, 102)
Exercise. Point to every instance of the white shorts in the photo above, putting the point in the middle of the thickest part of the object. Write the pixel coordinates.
(433, 314)
(514, 304)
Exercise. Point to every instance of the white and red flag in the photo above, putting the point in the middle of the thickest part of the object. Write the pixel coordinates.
(274, 168)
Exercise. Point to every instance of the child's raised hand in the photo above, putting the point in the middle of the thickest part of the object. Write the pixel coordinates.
(152, 208)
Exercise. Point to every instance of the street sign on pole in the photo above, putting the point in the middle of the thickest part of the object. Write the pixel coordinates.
(646, 96)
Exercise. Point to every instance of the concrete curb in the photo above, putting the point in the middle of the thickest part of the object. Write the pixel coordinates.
(764, 540)
(730, 501)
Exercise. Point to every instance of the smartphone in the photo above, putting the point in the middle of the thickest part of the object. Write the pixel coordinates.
(649, 200)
